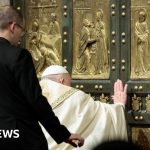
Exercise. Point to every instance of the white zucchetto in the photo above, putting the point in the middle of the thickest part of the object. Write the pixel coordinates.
(54, 69)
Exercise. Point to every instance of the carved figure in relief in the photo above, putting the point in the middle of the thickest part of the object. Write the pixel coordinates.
(142, 36)
(101, 44)
(85, 41)
(46, 45)
(55, 36)
(53, 1)
(54, 25)
(136, 103)
(34, 47)
(93, 51)
(103, 98)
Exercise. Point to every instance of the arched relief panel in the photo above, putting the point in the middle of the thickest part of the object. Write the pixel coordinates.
(43, 39)
(91, 39)
(140, 39)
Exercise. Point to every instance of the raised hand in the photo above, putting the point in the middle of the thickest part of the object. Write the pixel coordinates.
(120, 93)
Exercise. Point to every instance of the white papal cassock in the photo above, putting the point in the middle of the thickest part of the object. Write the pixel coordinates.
(94, 120)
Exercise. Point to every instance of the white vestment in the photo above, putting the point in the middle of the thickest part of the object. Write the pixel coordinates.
(94, 120)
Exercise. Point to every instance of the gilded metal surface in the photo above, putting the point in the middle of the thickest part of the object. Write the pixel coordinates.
(140, 43)
(43, 22)
(140, 136)
(136, 103)
(90, 39)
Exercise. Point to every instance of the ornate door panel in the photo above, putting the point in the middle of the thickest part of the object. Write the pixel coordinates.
(98, 41)
(43, 21)
(138, 72)
(91, 47)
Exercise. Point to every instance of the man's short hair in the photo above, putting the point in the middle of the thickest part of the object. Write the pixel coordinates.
(9, 14)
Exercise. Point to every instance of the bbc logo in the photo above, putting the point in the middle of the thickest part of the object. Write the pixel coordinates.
(9, 134)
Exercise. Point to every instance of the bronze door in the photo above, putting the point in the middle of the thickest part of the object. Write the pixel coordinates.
(98, 41)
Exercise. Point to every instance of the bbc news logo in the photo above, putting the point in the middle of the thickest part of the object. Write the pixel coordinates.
(9, 133)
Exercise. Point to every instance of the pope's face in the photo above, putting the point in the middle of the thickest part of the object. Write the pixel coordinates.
(67, 80)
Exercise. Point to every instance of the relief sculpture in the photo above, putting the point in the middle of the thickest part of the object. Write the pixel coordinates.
(90, 51)
(136, 103)
(34, 38)
(104, 98)
(101, 44)
(141, 33)
(85, 44)
(43, 38)
(140, 56)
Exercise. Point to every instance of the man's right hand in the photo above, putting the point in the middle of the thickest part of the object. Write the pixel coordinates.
(75, 140)
(120, 92)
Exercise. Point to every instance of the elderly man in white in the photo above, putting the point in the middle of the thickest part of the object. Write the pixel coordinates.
(94, 120)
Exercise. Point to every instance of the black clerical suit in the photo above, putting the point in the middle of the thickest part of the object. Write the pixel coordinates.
(21, 103)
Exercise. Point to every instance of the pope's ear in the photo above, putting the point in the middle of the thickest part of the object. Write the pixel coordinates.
(61, 80)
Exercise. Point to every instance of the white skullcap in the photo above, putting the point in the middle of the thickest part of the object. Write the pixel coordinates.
(54, 69)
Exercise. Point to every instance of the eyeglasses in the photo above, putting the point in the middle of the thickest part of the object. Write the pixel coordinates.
(22, 28)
